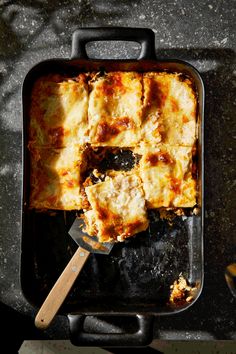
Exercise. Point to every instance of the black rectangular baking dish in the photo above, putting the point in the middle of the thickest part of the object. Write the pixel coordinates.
(135, 279)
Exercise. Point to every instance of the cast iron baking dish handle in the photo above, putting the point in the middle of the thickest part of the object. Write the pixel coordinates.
(144, 36)
(142, 337)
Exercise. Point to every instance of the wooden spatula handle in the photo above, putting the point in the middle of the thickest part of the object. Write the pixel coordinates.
(61, 288)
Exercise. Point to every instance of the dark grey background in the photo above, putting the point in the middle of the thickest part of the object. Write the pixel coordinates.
(200, 32)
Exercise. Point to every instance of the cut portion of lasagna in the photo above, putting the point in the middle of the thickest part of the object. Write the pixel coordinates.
(59, 111)
(169, 109)
(56, 178)
(115, 109)
(166, 172)
(118, 208)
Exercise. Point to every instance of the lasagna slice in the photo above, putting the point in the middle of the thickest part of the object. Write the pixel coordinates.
(56, 178)
(59, 111)
(118, 208)
(115, 109)
(166, 172)
(169, 110)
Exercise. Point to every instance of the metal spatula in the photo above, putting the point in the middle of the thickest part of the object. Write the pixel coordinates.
(87, 244)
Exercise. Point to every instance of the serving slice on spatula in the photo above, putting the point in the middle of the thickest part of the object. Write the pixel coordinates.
(87, 244)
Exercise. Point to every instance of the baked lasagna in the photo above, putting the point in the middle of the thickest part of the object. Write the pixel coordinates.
(115, 109)
(166, 173)
(118, 208)
(58, 112)
(169, 110)
(77, 123)
(56, 177)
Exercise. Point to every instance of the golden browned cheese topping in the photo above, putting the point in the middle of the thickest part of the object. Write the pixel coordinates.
(114, 84)
(115, 109)
(166, 173)
(58, 111)
(118, 208)
(74, 123)
(155, 158)
(169, 110)
(56, 178)
(107, 131)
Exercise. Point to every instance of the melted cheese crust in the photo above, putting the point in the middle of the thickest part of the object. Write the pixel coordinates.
(118, 208)
(59, 111)
(56, 177)
(153, 114)
(115, 109)
(169, 110)
(166, 172)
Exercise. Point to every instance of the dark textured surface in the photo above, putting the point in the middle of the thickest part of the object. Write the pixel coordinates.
(135, 277)
(202, 33)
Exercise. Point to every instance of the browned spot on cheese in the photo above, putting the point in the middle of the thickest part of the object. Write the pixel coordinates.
(174, 104)
(70, 183)
(155, 158)
(112, 84)
(165, 157)
(114, 229)
(103, 213)
(175, 185)
(112, 223)
(110, 231)
(185, 119)
(106, 131)
(156, 93)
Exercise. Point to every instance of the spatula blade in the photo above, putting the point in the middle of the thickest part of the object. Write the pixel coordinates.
(90, 243)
